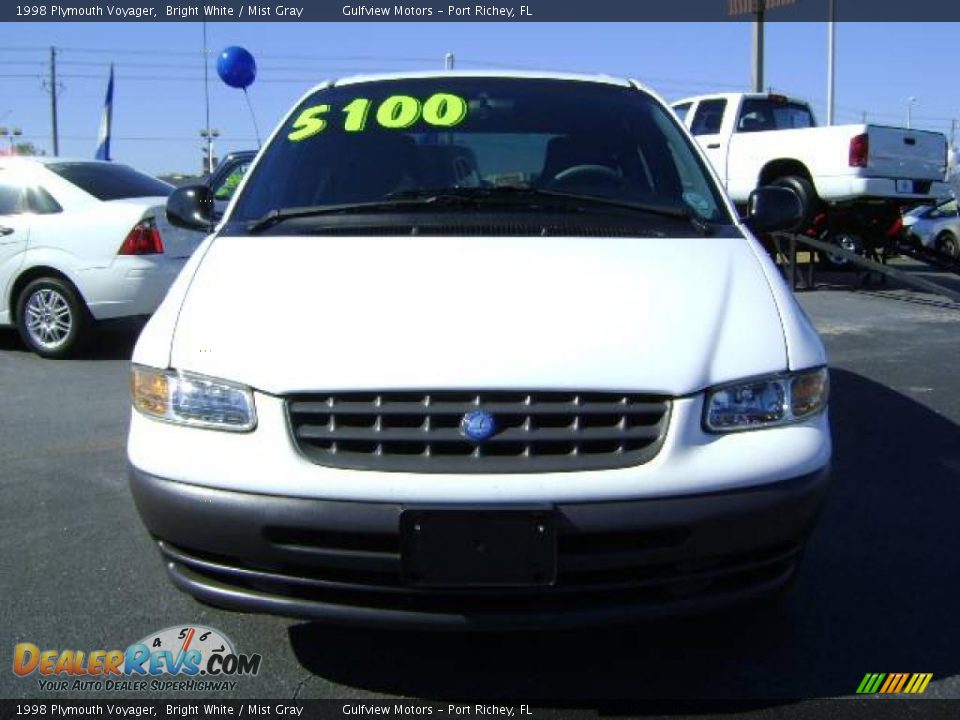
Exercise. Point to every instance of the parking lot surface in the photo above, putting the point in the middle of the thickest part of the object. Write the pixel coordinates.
(877, 592)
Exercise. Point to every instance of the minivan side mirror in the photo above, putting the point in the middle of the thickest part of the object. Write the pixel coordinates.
(772, 209)
(191, 207)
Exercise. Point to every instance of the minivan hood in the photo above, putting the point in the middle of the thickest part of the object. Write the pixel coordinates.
(671, 316)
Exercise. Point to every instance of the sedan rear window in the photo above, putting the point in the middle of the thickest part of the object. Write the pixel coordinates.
(110, 182)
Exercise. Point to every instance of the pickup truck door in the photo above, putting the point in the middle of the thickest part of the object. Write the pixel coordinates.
(707, 126)
(225, 180)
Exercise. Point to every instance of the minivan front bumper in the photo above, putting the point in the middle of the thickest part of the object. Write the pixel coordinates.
(340, 561)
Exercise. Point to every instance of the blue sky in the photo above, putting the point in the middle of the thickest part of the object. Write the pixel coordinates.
(159, 105)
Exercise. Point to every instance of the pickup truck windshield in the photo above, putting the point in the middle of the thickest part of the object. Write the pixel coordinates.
(759, 114)
(376, 141)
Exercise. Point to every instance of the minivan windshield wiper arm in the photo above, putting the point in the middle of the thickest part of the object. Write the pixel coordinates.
(276, 216)
(393, 201)
(515, 193)
(425, 198)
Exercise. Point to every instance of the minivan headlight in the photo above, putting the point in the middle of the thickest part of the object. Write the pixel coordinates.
(189, 399)
(764, 402)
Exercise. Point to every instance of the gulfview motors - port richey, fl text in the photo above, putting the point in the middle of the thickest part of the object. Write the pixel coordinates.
(479, 11)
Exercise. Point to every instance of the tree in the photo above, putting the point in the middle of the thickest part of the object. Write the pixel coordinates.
(27, 148)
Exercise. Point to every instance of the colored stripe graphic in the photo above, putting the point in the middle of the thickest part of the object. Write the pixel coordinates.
(901, 682)
(918, 683)
(875, 685)
(894, 683)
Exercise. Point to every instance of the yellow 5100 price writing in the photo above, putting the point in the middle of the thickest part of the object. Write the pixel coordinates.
(396, 113)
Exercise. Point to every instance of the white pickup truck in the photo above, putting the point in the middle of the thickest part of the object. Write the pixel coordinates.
(850, 178)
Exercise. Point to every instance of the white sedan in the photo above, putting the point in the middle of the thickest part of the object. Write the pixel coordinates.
(82, 242)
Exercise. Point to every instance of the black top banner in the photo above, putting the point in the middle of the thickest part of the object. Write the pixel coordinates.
(490, 11)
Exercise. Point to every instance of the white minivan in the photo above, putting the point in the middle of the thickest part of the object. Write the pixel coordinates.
(480, 350)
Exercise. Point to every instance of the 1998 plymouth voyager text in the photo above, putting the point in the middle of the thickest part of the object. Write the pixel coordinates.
(256, 709)
(151, 710)
(117, 12)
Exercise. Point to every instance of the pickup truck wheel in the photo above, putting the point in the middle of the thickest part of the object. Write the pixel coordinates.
(52, 319)
(846, 241)
(809, 202)
(947, 244)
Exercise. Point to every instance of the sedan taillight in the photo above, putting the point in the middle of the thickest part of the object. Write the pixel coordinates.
(144, 239)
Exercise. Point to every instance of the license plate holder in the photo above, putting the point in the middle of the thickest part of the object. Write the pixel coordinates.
(478, 548)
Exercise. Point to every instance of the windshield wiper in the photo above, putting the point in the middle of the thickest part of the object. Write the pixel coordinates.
(516, 193)
(276, 216)
(427, 198)
(519, 193)
(407, 199)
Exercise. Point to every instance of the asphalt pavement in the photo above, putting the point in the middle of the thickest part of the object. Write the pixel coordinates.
(878, 591)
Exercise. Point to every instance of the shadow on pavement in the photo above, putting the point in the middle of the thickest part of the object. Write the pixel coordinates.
(112, 342)
(877, 593)
(891, 288)
(894, 292)
(938, 275)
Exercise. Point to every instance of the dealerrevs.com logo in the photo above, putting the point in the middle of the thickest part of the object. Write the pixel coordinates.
(187, 657)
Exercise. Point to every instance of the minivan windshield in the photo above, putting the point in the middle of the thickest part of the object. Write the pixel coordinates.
(480, 137)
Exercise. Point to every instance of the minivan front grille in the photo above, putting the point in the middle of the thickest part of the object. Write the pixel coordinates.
(548, 431)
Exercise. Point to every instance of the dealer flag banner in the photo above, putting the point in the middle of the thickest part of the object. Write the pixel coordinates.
(106, 123)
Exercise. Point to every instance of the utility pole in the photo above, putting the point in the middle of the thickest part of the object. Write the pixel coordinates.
(206, 96)
(53, 100)
(831, 58)
(910, 101)
(757, 73)
(758, 9)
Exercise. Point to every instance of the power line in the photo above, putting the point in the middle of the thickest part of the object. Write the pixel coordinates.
(144, 138)
(675, 84)
(313, 80)
(194, 53)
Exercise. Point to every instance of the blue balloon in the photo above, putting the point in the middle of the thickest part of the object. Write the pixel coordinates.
(236, 67)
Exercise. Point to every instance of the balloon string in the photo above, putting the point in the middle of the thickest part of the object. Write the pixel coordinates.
(253, 116)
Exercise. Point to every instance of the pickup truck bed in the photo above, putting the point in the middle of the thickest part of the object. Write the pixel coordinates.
(859, 171)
